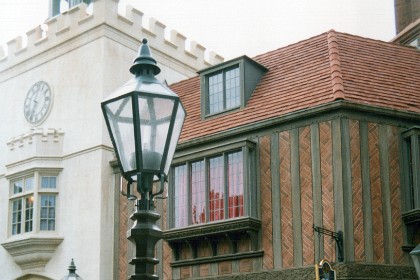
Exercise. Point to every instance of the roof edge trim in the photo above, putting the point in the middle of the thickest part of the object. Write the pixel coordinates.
(304, 113)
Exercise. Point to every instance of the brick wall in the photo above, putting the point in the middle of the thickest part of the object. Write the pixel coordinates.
(286, 200)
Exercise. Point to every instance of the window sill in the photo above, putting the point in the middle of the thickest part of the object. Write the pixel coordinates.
(222, 112)
(32, 253)
(213, 228)
(213, 236)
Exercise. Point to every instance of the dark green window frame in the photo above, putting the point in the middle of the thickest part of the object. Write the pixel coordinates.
(411, 186)
(248, 74)
(223, 90)
(247, 149)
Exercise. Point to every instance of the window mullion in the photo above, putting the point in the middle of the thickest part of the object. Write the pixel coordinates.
(37, 204)
(224, 89)
(23, 214)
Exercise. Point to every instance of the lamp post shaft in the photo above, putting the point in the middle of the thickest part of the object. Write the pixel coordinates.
(144, 234)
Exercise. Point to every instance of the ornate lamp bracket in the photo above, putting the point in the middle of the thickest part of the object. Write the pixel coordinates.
(337, 236)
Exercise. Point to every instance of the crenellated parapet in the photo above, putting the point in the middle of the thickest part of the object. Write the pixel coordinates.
(79, 20)
(44, 135)
(35, 143)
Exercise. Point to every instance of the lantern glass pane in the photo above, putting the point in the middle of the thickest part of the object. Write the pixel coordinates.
(120, 117)
(179, 120)
(155, 117)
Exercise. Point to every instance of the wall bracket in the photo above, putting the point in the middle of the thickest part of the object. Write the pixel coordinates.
(337, 236)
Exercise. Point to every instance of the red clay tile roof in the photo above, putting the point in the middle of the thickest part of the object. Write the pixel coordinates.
(319, 70)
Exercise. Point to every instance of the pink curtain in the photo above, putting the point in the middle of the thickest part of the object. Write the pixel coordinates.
(235, 185)
(216, 189)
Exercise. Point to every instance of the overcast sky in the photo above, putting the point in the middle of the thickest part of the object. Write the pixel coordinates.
(235, 27)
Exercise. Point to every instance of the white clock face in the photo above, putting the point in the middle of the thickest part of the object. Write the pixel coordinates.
(37, 103)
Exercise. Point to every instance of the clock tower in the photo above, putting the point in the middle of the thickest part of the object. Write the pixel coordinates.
(57, 186)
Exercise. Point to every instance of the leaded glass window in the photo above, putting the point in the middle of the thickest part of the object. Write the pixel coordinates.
(211, 188)
(224, 91)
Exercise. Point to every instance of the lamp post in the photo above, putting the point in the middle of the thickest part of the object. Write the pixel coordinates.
(144, 119)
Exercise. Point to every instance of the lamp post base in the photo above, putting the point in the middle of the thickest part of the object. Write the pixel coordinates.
(144, 235)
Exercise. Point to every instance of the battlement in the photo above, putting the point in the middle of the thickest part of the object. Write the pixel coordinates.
(36, 148)
(41, 135)
(78, 20)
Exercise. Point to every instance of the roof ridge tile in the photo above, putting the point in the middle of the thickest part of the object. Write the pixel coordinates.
(335, 66)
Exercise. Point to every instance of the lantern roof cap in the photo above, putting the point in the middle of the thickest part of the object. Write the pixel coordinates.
(144, 60)
(72, 272)
(72, 267)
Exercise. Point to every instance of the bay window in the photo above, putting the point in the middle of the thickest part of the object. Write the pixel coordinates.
(33, 203)
(211, 188)
(213, 194)
(208, 201)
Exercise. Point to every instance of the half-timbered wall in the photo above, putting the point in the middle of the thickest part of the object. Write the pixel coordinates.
(339, 174)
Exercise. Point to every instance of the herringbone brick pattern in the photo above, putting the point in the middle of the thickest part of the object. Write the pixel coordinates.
(325, 145)
(305, 174)
(356, 182)
(266, 209)
(286, 200)
(123, 242)
(376, 194)
(167, 258)
(394, 181)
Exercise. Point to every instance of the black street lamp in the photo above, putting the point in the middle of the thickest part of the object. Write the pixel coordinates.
(144, 119)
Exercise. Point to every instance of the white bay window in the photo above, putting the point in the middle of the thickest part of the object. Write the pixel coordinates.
(33, 202)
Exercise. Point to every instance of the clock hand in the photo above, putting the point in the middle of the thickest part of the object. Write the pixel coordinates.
(34, 107)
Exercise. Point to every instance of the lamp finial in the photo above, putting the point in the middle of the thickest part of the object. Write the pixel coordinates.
(144, 60)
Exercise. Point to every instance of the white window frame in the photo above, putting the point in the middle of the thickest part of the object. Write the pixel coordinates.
(36, 193)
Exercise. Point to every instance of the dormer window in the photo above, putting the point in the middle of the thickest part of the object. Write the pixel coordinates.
(229, 85)
(224, 90)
